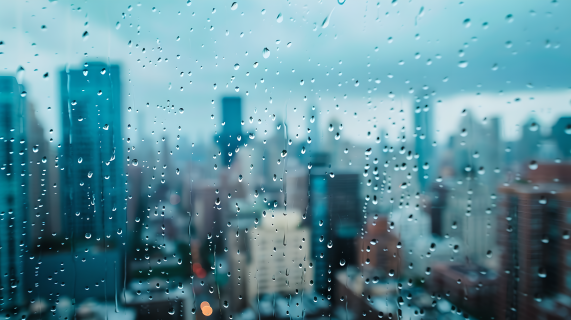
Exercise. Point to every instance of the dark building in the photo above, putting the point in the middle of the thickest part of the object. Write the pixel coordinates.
(438, 202)
(379, 257)
(335, 221)
(93, 181)
(423, 143)
(467, 286)
(561, 133)
(533, 235)
(13, 191)
(232, 130)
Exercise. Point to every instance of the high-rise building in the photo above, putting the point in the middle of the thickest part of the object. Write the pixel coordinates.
(561, 133)
(527, 148)
(93, 180)
(535, 259)
(280, 261)
(335, 221)
(423, 143)
(13, 191)
(232, 129)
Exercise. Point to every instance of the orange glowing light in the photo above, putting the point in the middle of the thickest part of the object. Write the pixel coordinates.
(207, 311)
(204, 304)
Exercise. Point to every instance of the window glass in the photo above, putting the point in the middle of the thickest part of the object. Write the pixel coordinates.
(245, 160)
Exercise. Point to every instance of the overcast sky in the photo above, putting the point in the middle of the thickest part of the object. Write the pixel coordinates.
(508, 58)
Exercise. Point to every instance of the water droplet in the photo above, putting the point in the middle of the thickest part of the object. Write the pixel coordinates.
(325, 22)
(135, 162)
(342, 262)
(463, 64)
(466, 23)
(542, 273)
(280, 18)
(85, 35)
(265, 53)
(234, 6)
(533, 126)
(533, 165)
(88, 235)
(36, 148)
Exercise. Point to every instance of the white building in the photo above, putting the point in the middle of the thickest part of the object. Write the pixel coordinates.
(280, 256)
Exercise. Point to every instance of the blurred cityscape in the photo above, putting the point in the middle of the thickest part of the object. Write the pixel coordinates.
(103, 227)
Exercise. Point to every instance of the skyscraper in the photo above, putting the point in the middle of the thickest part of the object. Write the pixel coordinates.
(232, 119)
(335, 221)
(423, 143)
(13, 191)
(561, 133)
(535, 255)
(93, 200)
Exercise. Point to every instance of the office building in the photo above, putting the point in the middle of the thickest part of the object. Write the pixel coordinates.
(533, 233)
(280, 259)
(423, 142)
(228, 138)
(561, 133)
(13, 190)
(335, 221)
(93, 180)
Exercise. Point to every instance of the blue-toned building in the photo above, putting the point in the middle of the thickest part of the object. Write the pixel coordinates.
(335, 222)
(13, 191)
(423, 143)
(561, 133)
(232, 129)
(93, 180)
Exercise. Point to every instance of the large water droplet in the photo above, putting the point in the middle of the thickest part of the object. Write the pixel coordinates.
(466, 23)
(325, 22)
(234, 6)
(266, 53)
(533, 165)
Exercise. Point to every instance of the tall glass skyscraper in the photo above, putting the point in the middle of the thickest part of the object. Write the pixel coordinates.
(13, 192)
(93, 200)
(232, 118)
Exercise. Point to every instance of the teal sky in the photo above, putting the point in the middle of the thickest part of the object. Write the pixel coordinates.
(508, 49)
